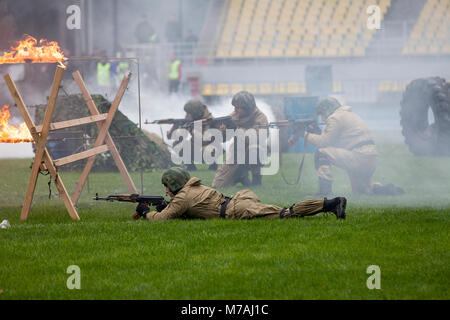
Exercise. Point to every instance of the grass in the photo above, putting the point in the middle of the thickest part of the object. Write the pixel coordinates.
(311, 258)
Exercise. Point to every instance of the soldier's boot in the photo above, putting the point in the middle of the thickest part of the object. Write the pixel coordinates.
(243, 178)
(256, 178)
(336, 206)
(191, 167)
(387, 189)
(324, 188)
(213, 166)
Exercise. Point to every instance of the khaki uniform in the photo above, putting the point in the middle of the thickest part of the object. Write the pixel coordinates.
(346, 143)
(195, 200)
(205, 144)
(228, 174)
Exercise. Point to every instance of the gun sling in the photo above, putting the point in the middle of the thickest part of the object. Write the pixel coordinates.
(223, 207)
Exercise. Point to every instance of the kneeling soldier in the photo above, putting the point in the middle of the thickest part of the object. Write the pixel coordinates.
(190, 199)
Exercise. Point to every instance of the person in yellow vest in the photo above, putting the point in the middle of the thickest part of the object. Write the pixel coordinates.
(104, 74)
(174, 74)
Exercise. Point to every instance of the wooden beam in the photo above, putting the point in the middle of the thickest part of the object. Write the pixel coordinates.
(40, 145)
(75, 122)
(109, 141)
(82, 155)
(47, 159)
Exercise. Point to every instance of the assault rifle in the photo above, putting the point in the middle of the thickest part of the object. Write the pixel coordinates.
(185, 123)
(143, 201)
(177, 122)
(287, 123)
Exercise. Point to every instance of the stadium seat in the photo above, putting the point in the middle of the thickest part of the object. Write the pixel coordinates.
(251, 87)
(208, 90)
(236, 87)
(222, 89)
(265, 88)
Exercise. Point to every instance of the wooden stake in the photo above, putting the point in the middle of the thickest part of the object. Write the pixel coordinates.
(109, 141)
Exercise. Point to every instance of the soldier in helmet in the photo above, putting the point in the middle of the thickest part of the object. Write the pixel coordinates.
(195, 110)
(345, 142)
(190, 199)
(246, 115)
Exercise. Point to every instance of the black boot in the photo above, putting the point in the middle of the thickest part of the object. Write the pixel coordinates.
(324, 188)
(256, 178)
(213, 166)
(243, 178)
(336, 205)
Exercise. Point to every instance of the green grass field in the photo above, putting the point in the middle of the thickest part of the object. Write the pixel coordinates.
(310, 258)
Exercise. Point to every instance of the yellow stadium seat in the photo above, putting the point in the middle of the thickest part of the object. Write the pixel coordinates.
(251, 87)
(265, 88)
(317, 52)
(291, 51)
(293, 87)
(236, 87)
(208, 90)
(279, 88)
(359, 51)
(304, 52)
(222, 89)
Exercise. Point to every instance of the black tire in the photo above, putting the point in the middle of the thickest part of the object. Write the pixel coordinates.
(423, 138)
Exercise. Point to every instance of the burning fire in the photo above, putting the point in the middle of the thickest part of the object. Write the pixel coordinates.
(12, 134)
(28, 50)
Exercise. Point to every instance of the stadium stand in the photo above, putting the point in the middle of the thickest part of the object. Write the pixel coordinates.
(296, 28)
(431, 33)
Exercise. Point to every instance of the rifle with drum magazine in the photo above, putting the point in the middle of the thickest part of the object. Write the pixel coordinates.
(144, 202)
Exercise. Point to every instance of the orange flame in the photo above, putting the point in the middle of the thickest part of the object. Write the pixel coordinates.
(28, 50)
(12, 134)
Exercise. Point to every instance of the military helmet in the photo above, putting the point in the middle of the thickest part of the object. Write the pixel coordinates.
(196, 108)
(175, 178)
(244, 100)
(327, 106)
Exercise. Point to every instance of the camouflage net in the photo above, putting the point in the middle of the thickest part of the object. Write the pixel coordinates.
(138, 149)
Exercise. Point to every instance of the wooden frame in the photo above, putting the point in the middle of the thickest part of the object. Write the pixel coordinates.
(43, 160)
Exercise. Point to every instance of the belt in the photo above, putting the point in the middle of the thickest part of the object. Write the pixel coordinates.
(363, 143)
(223, 207)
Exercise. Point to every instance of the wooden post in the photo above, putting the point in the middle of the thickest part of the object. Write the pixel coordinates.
(45, 155)
(109, 141)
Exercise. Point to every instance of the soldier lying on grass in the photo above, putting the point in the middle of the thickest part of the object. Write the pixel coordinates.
(190, 199)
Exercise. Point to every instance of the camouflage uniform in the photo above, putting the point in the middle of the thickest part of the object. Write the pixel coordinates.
(345, 142)
(230, 174)
(194, 200)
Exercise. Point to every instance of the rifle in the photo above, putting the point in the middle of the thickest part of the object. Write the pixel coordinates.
(143, 201)
(290, 122)
(177, 122)
(212, 122)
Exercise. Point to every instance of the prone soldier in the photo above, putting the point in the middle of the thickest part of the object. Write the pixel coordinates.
(190, 199)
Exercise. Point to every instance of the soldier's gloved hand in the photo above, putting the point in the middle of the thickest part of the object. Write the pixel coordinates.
(160, 207)
(313, 128)
(292, 140)
(141, 211)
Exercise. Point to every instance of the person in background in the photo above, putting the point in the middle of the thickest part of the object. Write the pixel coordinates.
(174, 74)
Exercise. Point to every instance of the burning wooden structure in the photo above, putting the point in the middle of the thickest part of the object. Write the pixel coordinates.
(29, 51)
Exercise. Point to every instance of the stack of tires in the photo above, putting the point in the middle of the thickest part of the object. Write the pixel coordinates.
(422, 137)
